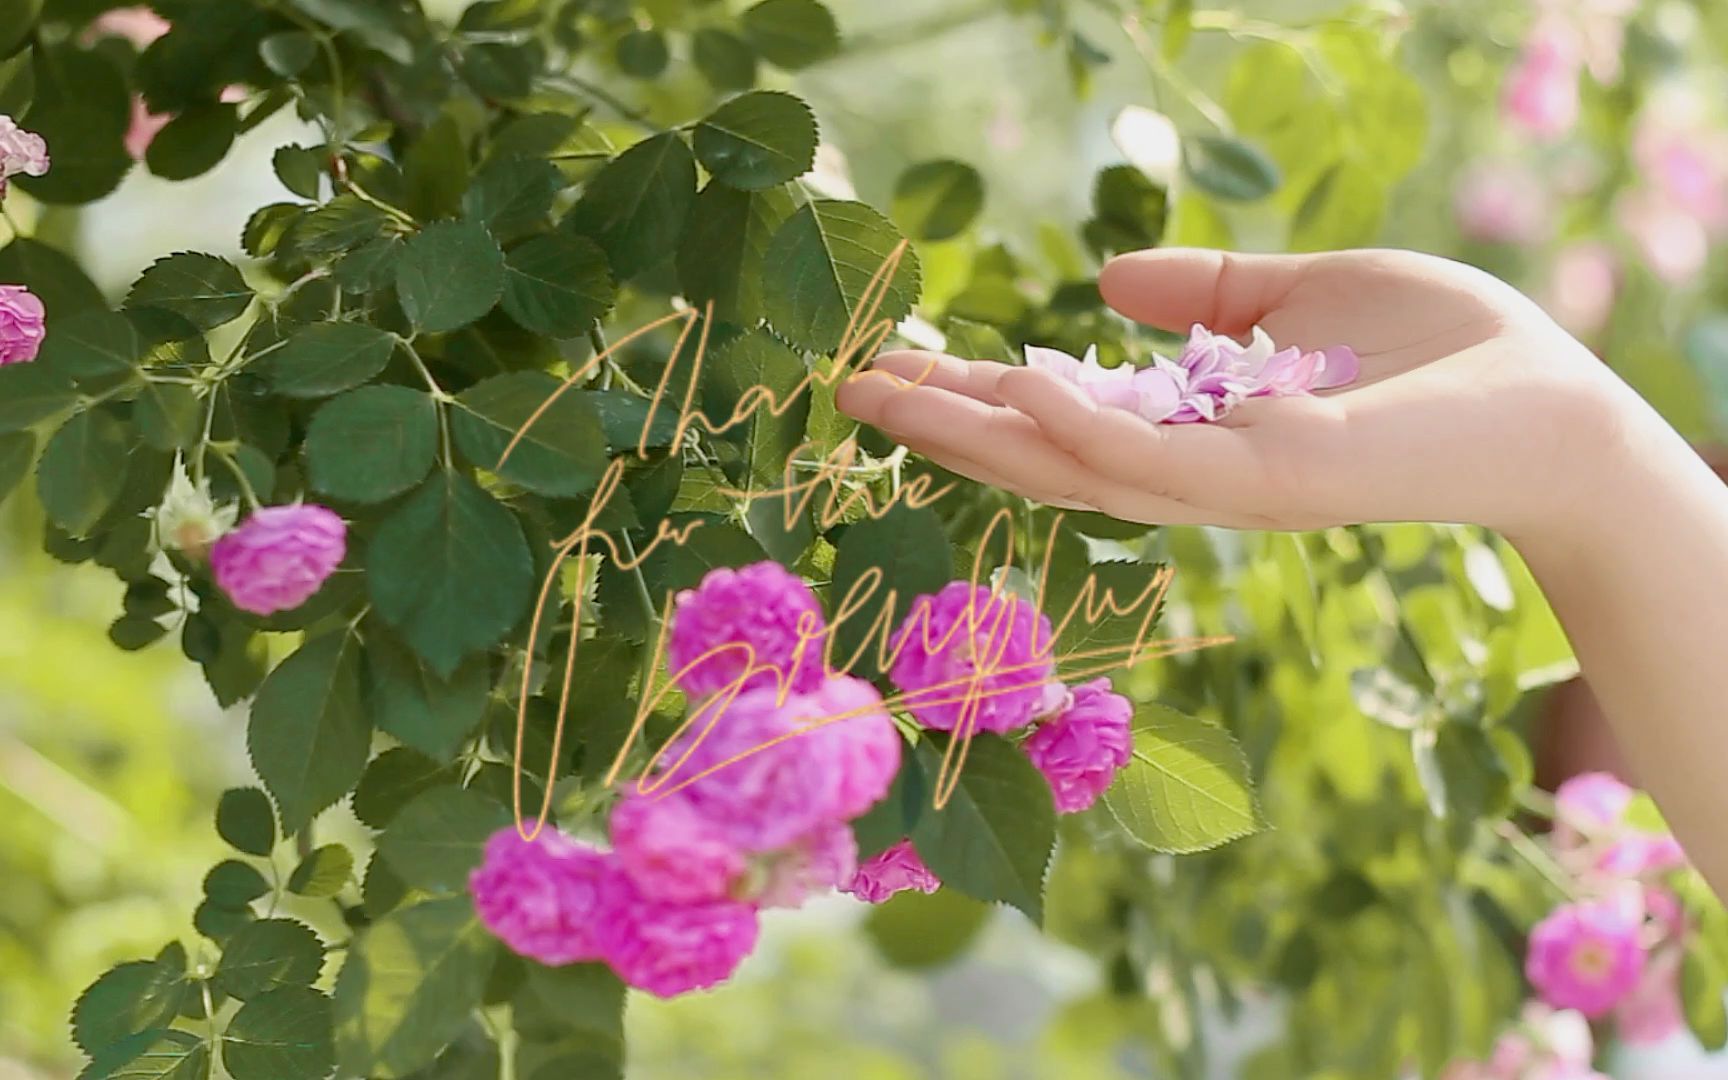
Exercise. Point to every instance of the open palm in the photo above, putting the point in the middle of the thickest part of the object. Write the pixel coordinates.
(1469, 406)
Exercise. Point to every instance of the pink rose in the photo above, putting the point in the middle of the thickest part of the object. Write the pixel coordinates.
(547, 897)
(22, 153)
(824, 860)
(21, 330)
(889, 871)
(973, 654)
(1541, 91)
(669, 949)
(1587, 955)
(766, 609)
(1080, 750)
(1592, 803)
(279, 557)
(670, 852)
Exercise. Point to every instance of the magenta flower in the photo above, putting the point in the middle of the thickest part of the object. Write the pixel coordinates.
(1081, 748)
(763, 607)
(669, 949)
(824, 860)
(1541, 91)
(279, 556)
(967, 653)
(1593, 803)
(22, 153)
(1213, 374)
(670, 852)
(767, 774)
(1588, 955)
(21, 329)
(894, 869)
(546, 898)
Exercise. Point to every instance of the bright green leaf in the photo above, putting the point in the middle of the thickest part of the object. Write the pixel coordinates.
(1187, 788)
(322, 873)
(819, 266)
(758, 140)
(310, 731)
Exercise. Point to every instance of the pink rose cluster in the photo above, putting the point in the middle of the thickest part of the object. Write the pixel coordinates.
(971, 659)
(750, 807)
(1211, 376)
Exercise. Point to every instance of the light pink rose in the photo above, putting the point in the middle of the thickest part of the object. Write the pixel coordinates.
(1673, 243)
(22, 153)
(1582, 286)
(139, 25)
(21, 326)
(824, 860)
(1541, 91)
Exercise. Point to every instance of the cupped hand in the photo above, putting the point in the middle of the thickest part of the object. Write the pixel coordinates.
(1472, 405)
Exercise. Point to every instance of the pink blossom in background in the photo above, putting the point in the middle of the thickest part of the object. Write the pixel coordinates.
(1582, 286)
(1686, 164)
(21, 325)
(1653, 1010)
(142, 129)
(139, 25)
(1673, 243)
(1592, 803)
(894, 869)
(670, 949)
(670, 851)
(764, 606)
(1080, 750)
(1540, 95)
(279, 557)
(818, 863)
(546, 898)
(966, 641)
(1547, 1044)
(1501, 202)
(1588, 955)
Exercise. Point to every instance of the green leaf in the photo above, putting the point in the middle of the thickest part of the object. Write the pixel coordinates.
(937, 200)
(892, 818)
(622, 416)
(513, 196)
(17, 81)
(17, 20)
(919, 932)
(127, 999)
(744, 369)
(92, 344)
(724, 59)
(327, 358)
(323, 872)
(571, 1020)
(57, 280)
(635, 207)
(339, 225)
(819, 265)
(449, 275)
(791, 33)
(31, 393)
(563, 452)
(372, 444)
(721, 256)
(155, 1054)
(758, 140)
(267, 954)
(17, 454)
(393, 778)
(1229, 168)
(244, 819)
(409, 986)
(557, 284)
(435, 170)
(1130, 211)
(301, 169)
(234, 884)
(450, 571)
(286, 1034)
(170, 416)
(906, 553)
(430, 714)
(203, 289)
(82, 470)
(288, 53)
(1187, 788)
(194, 142)
(1344, 209)
(993, 837)
(439, 837)
(642, 54)
(310, 731)
(88, 151)
(1702, 987)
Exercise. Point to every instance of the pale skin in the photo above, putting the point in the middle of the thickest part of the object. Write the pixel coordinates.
(1472, 407)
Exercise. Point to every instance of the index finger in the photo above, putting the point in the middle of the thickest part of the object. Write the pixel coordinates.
(1174, 288)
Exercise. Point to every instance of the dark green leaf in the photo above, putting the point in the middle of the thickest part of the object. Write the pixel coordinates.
(203, 289)
(724, 59)
(557, 284)
(439, 837)
(17, 81)
(758, 140)
(322, 873)
(820, 264)
(154, 1054)
(310, 731)
(31, 393)
(268, 227)
(642, 54)
(993, 837)
(88, 151)
(288, 53)
(720, 258)
(234, 884)
(635, 207)
(17, 20)
(193, 142)
(428, 713)
(286, 1034)
(409, 986)
(327, 358)
(244, 819)
(1229, 168)
(82, 470)
(341, 224)
(892, 818)
(127, 999)
(561, 454)
(56, 279)
(759, 373)
(393, 778)
(1187, 788)
(435, 170)
(936, 200)
(92, 344)
(372, 444)
(267, 954)
(622, 416)
(170, 416)
(17, 454)
(917, 931)
(792, 33)
(301, 169)
(1130, 211)
(449, 275)
(513, 196)
(450, 571)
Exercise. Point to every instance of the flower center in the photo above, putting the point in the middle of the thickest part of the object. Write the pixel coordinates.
(1591, 961)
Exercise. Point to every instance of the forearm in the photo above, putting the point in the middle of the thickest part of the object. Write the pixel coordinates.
(1640, 583)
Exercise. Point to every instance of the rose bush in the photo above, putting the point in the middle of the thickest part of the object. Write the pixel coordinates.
(341, 476)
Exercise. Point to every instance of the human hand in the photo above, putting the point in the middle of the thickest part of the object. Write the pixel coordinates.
(1472, 405)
